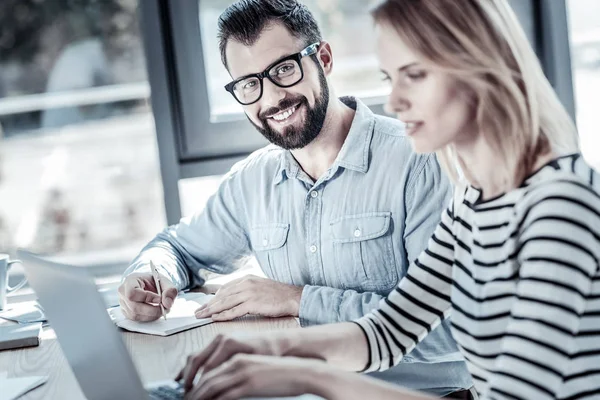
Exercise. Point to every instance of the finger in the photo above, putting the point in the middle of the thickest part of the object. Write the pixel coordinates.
(236, 286)
(145, 310)
(181, 372)
(168, 297)
(216, 386)
(241, 391)
(222, 305)
(134, 293)
(210, 303)
(227, 349)
(231, 284)
(196, 362)
(232, 313)
(131, 314)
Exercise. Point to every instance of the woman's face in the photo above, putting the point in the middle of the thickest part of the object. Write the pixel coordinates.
(424, 97)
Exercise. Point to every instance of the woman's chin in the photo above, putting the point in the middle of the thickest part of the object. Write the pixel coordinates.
(423, 146)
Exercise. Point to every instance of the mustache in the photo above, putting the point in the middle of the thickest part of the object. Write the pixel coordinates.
(283, 104)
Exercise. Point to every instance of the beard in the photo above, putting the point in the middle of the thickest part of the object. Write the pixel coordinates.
(293, 137)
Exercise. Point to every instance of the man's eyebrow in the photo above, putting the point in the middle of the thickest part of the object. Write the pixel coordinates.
(271, 65)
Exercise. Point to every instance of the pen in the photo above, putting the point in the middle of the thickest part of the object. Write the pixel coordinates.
(158, 289)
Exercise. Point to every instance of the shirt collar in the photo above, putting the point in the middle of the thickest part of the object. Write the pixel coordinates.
(354, 153)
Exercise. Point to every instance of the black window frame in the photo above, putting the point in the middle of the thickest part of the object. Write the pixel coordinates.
(192, 145)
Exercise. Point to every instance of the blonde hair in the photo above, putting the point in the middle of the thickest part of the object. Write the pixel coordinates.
(482, 44)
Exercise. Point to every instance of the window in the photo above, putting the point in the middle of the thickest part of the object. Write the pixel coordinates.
(584, 24)
(345, 24)
(79, 163)
(203, 130)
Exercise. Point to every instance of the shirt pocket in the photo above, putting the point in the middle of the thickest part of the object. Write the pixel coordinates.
(269, 242)
(364, 252)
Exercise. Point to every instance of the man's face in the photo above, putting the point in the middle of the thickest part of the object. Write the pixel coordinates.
(288, 117)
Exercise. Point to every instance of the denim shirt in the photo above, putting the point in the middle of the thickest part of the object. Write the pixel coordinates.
(347, 238)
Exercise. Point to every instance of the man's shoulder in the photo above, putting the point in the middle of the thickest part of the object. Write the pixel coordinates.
(393, 147)
(389, 136)
(263, 160)
(389, 127)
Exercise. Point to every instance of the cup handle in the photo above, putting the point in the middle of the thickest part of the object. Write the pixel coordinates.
(18, 285)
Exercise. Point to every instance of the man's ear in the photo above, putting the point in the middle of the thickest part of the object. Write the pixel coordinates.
(325, 56)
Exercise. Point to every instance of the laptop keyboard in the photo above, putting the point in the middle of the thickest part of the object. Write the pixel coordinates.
(167, 393)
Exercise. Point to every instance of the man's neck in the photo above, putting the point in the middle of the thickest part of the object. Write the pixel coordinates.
(316, 158)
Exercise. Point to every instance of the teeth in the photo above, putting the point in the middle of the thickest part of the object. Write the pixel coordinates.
(284, 115)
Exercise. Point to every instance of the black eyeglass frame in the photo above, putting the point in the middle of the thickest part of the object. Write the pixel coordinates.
(307, 51)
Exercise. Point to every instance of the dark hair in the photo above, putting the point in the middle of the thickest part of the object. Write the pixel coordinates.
(245, 20)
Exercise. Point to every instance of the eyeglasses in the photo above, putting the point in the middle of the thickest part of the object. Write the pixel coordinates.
(284, 73)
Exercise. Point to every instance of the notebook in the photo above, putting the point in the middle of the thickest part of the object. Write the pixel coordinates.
(13, 388)
(24, 313)
(15, 336)
(180, 318)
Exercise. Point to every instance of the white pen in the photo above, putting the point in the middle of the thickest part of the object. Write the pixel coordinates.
(158, 289)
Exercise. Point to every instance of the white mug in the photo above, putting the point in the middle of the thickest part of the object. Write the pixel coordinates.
(5, 264)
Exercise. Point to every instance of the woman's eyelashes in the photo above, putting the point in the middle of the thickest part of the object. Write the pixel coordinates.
(407, 77)
(416, 75)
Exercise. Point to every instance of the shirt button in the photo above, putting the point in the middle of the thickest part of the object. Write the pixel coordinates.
(313, 249)
(314, 194)
(357, 233)
(265, 242)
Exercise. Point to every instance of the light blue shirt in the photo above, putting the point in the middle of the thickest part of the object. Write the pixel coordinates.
(347, 238)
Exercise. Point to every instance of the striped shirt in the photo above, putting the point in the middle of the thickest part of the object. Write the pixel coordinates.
(519, 274)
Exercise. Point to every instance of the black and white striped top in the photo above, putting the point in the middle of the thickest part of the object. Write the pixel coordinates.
(520, 276)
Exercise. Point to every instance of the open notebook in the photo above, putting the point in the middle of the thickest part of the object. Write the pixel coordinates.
(180, 318)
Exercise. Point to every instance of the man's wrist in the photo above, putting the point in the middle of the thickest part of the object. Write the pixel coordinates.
(294, 300)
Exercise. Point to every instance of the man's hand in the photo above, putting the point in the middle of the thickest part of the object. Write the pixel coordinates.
(139, 299)
(252, 295)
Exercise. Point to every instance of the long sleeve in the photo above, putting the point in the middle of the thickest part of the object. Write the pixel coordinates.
(325, 305)
(549, 331)
(211, 240)
(417, 306)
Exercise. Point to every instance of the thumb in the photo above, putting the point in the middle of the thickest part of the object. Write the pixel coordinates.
(168, 296)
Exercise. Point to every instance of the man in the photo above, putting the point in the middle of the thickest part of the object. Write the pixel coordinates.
(334, 210)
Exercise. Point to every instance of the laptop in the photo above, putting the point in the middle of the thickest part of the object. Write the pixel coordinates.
(90, 341)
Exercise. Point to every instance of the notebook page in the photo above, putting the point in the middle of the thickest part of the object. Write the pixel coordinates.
(180, 318)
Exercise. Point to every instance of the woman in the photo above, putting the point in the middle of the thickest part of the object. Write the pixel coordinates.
(515, 259)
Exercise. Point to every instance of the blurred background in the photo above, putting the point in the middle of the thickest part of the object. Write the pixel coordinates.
(79, 163)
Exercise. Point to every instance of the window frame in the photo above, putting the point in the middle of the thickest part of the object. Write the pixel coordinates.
(191, 145)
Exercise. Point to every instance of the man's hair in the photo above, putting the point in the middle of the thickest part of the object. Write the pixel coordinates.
(245, 20)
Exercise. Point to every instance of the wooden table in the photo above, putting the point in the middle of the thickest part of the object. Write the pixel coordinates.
(156, 358)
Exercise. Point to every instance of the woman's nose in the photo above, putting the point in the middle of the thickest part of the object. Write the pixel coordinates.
(396, 105)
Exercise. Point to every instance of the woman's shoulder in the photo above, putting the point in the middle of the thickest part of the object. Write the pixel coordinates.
(564, 178)
(562, 204)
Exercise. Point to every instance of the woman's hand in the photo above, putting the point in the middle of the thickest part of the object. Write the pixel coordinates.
(250, 375)
(342, 345)
(223, 348)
